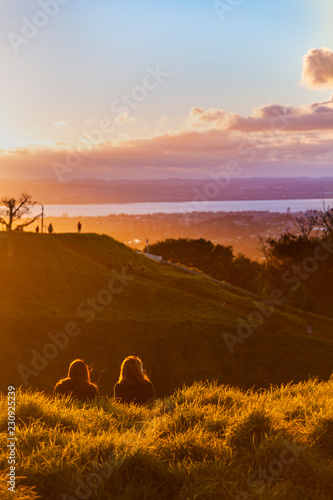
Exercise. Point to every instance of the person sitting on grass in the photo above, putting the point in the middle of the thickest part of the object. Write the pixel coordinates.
(133, 385)
(77, 384)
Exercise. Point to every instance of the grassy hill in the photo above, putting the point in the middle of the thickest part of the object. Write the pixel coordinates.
(60, 300)
(205, 442)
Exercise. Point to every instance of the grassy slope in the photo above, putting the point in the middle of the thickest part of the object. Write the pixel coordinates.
(174, 321)
(205, 442)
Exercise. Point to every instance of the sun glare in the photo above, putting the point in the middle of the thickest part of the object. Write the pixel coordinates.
(7, 140)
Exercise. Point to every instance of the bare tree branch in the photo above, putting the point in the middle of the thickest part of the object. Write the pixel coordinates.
(308, 221)
(15, 210)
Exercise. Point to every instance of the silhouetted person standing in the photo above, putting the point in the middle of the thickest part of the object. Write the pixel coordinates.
(79, 227)
(50, 229)
(37, 229)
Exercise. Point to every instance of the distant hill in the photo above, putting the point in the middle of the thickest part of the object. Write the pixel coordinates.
(60, 299)
(81, 191)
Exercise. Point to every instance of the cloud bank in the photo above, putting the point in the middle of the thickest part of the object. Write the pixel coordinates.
(275, 140)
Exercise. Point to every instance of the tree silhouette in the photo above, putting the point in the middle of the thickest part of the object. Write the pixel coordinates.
(326, 220)
(218, 261)
(308, 221)
(14, 210)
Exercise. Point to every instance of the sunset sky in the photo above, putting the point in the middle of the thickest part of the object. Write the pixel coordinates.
(152, 89)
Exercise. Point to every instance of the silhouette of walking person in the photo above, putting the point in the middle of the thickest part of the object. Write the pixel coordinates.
(50, 229)
(79, 227)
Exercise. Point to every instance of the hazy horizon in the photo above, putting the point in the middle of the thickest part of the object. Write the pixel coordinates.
(154, 179)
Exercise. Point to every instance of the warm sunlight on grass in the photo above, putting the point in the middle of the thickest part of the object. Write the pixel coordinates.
(174, 321)
(204, 442)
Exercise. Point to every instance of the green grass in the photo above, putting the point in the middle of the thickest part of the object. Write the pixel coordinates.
(203, 442)
(174, 321)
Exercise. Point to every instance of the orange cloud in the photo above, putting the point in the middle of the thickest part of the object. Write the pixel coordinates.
(318, 68)
(124, 118)
(274, 140)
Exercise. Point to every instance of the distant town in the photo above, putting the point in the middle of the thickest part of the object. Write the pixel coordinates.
(240, 229)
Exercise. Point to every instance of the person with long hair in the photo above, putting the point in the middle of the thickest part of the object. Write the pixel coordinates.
(133, 385)
(77, 383)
